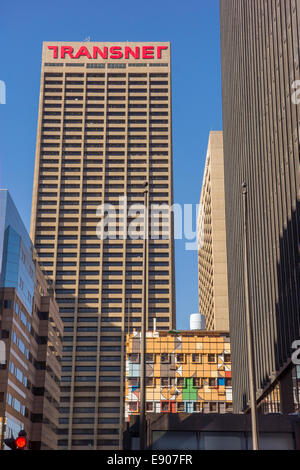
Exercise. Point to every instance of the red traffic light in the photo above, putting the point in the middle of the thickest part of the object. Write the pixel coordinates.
(20, 442)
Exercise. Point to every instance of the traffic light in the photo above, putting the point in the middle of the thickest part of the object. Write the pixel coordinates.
(17, 444)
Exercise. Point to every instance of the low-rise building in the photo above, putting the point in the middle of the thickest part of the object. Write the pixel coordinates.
(186, 372)
(186, 432)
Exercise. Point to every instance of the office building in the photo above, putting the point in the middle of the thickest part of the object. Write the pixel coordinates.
(182, 432)
(32, 331)
(186, 372)
(211, 227)
(260, 70)
(104, 130)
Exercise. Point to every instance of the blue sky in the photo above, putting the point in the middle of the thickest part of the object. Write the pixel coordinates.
(193, 29)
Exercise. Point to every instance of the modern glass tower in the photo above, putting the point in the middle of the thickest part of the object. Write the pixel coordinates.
(104, 130)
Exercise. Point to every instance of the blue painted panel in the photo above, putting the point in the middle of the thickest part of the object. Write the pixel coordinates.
(134, 370)
(189, 406)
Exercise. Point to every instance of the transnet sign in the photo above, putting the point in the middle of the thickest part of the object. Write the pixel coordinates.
(113, 52)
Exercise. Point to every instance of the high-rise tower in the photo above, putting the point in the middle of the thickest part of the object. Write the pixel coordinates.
(212, 256)
(104, 130)
(260, 81)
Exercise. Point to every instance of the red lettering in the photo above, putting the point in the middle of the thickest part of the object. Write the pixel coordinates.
(116, 53)
(55, 51)
(97, 51)
(159, 49)
(148, 52)
(83, 51)
(129, 51)
(66, 50)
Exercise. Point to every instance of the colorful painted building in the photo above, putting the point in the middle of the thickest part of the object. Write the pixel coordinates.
(186, 372)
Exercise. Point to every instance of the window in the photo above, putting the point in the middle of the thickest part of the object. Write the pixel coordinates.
(133, 382)
(150, 382)
(150, 358)
(197, 382)
(211, 358)
(149, 406)
(165, 358)
(113, 410)
(134, 358)
(109, 421)
(212, 382)
(228, 407)
(227, 357)
(180, 358)
(197, 358)
(228, 382)
(164, 381)
(180, 406)
(197, 407)
(8, 303)
(99, 66)
(180, 382)
(9, 399)
(108, 442)
(133, 406)
(117, 66)
(165, 405)
(213, 407)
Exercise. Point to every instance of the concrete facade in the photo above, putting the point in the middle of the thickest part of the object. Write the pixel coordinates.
(212, 255)
(31, 331)
(186, 432)
(260, 68)
(104, 129)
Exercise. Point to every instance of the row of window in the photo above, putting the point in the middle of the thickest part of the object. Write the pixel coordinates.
(87, 431)
(184, 407)
(92, 358)
(22, 316)
(16, 404)
(87, 137)
(69, 82)
(103, 65)
(110, 300)
(90, 378)
(92, 348)
(57, 86)
(58, 112)
(19, 343)
(180, 358)
(181, 382)
(79, 409)
(98, 74)
(110, 75)
(89, 442)
(26, 291)
(89, 130)
(132, 92)
(112, 320)
(90, 421)
(108, 263)
(18, 374)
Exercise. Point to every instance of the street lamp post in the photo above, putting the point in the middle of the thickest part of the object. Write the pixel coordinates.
(144, 328)
(250, 345)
